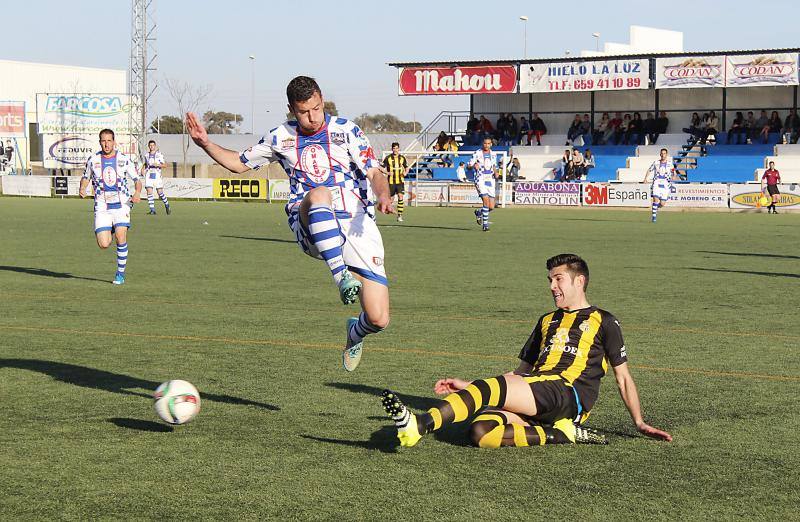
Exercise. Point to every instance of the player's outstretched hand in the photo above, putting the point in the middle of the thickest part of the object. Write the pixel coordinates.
(385, 205)
(653, 433)
(449, 385)
(196, 130)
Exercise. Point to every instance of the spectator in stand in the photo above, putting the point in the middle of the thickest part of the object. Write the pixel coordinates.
(441, 141)
(710, 127)
(576, 168)
(588, 161)
(635, 132)
(749, 127)
(461, 172)
(791, 127)
(486, 128)
(586, 128)
(473, 136)
(574, 130)
(560, 172)
(9, 151)
(694, 127)
(614, 124)
(524, 135)
(538, 128)
(622, 129)
(662, 123)
(603, 127)
(450, 146)
(759, 127)
(513, 129)
(773, 125)
(649, 128)
(737, 129)
(500, 127)
(772, 177)
(513, 169)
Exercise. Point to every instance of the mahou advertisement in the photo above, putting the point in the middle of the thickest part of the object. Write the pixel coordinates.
(690, 72)
(457, 80)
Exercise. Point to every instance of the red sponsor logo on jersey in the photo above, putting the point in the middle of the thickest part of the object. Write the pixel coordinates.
(367, 154)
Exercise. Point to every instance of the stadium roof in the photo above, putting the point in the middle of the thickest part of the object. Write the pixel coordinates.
(464, 63)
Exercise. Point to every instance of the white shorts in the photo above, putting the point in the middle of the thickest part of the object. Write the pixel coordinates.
(661, 192)
(485, 188)
(362, 250)
(152, 180)
(108, 219)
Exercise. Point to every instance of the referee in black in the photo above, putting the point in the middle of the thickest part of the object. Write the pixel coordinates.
(397, 167)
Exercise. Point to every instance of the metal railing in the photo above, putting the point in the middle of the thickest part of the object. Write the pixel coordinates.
(451, 122)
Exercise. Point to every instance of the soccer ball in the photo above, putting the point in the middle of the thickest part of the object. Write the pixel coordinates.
(764, 201)
(176, 402)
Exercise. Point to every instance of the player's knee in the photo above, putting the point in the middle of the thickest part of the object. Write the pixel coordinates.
(319, 196)
(379, 319)
(486, 434)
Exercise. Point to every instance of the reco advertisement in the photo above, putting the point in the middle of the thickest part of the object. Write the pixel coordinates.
(240, 188)
(12, 119)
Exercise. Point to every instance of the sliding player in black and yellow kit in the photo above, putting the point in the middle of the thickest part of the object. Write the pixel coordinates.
(545, 400)
(397, 167)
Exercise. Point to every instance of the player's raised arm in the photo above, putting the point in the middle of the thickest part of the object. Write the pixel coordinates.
(630, 396)
(650, 169)
(225, 157)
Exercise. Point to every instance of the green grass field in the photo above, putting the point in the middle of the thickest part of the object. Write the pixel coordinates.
(708, 303)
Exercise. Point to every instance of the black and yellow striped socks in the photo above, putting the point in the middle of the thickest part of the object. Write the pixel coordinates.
(458, 406)
(492, 430)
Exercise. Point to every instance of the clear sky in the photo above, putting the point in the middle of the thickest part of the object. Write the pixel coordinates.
(346, 45)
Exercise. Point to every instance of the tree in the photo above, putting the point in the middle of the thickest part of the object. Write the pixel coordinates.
(187, 98)
(385, 123)
(167, 125)
(329, 107)
(222, 122)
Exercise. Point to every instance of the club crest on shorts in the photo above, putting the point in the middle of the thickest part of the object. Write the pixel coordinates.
(377, 261)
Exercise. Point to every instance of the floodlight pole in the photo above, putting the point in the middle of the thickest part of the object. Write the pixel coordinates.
(252, 93)
(524, 36)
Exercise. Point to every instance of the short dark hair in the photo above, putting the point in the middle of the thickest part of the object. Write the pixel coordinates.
(151, 141)
(663, 150)
(395, 144)
(301, 88)
(575, 266)
(107, 131)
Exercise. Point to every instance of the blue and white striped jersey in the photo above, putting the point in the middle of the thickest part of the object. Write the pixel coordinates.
(662, 171)
(109, 179)
(484, 164)
(153, 161)
(336, 157)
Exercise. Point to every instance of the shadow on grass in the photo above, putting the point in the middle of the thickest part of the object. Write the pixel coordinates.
(141, 425)
(387, 436)
(43, 272)
(112, 382)
(749, 254)
(270, 239)
(425, 226)
(750, 272)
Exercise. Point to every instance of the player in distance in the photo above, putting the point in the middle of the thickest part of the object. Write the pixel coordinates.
(550, 394)
(151, 169)
(334, 178)
(484, 162)
(107, 171)
(663, 172)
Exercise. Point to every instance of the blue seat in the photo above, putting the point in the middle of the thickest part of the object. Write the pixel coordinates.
(444, 174)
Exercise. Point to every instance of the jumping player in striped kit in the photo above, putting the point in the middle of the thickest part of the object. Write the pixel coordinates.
(663, 172)
(107, 171)
(153, 162)
(334, 178)
(484, 162)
